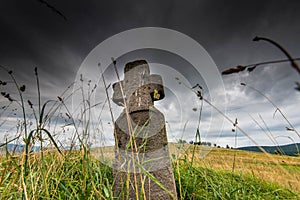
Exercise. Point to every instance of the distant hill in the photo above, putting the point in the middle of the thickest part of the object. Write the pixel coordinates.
(17, 148)
(290, 149)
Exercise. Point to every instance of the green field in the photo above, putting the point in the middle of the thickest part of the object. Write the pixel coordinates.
(79, 174)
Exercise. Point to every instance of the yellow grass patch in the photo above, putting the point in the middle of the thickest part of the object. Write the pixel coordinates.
(283, 170)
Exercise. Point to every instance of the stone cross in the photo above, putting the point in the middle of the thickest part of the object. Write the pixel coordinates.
(142, 167)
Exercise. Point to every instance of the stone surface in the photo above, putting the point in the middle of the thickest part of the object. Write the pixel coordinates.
(141, 152)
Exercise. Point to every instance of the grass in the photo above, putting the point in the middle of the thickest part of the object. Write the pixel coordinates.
(281, 170)
(205, 183)
(78, 174)
(73, 175)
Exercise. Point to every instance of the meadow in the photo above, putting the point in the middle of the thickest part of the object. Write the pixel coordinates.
(80, 174)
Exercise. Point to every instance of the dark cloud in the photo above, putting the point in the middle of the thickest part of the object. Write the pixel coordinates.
(218, 25)
(34, 35)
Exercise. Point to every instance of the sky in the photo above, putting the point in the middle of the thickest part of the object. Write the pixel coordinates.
(57, 37)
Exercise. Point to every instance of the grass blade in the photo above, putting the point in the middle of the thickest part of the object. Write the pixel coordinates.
(155, 180)
(51, 138)
(6, 143)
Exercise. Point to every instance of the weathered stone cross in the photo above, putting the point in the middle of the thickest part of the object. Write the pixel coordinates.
(142, 166)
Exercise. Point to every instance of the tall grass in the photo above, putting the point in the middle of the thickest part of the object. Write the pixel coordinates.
(76, 176)
(204, 183)
(69, 176)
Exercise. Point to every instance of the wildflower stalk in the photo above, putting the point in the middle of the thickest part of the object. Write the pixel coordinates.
(133, 146)
(293, 63)
(275, 106)
(235, 144)
(39, 110)
(27, 142)
(270, 62)
(198, 127)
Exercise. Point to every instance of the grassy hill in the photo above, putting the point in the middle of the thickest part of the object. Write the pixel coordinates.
(200, 173)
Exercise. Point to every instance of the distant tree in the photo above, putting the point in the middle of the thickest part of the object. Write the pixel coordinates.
(227, 146)
(191, 142)
(181, 141)
(215, 145)
(209, 144)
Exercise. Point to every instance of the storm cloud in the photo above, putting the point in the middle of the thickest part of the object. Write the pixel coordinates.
(34, 35)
